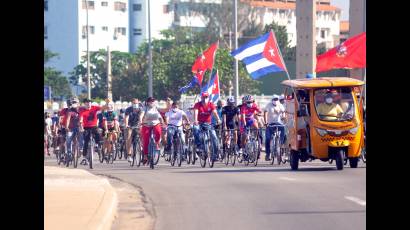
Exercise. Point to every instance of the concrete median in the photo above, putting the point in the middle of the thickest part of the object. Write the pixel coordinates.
(77, 199)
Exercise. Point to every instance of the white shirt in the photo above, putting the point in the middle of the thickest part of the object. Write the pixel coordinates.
(175, 118)
(48, 122)
(274, 112)
(151, 117)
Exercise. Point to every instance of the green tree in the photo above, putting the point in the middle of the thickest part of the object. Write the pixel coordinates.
(54, 78)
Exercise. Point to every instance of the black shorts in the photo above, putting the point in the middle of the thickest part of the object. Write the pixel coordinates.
(231, 125)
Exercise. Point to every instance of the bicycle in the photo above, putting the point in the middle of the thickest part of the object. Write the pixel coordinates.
(75, 149)
(190, 146)
(177, 147)
(275, 145)
(120, 144)
(252, 147)
(90, 148)
(207, 146)
(229, 148)
(136, 147)
(152, 152)
(108, 152)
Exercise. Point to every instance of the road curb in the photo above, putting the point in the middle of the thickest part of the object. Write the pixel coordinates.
(58, 180)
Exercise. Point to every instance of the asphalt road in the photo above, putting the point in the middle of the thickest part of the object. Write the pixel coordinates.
(317, 197)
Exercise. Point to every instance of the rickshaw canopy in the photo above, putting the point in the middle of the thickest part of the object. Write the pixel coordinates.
(323, 82)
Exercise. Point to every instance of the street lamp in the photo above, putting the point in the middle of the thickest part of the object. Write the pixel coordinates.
(88, 55)
(235, 5)
(150, 94)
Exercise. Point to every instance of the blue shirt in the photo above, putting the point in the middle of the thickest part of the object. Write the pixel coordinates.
(214, 120)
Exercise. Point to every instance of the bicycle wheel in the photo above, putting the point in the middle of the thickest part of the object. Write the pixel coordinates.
(138, 153)
(193, 155)
(172, 153)
(180, 149)
(75, 152)
(255, 152)
(156, 155)
(91, 154)
(151, 150)
(226, 155)
(232, 155)
(188, 153)
(209, 150)
(277, 151)
(101, 154)
(272, 151)
(202, 158)
(116, 150)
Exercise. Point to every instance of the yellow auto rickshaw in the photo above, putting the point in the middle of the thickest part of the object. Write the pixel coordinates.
(324, 120)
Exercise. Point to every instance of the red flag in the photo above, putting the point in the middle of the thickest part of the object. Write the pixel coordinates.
(271, 51)
(350, 54)
(204, 62)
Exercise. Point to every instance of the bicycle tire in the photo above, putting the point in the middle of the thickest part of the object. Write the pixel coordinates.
(138, 153)
(150, 155)
(172, 154)
(256, 153)
(272, 151)
(116, 150)
(277, 151)
(194, 155)
(210, 157)
(180, 152)
(226, 156)
(91, 154)
(133, 154)
(233, 155)
(156, 156)
(75, 152)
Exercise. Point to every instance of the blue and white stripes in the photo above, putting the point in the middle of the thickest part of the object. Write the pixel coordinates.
(252, 55)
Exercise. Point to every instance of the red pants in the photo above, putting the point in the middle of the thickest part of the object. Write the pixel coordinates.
(145, 134)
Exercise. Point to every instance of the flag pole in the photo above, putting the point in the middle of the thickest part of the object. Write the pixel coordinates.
(286, 69)
(213, 62)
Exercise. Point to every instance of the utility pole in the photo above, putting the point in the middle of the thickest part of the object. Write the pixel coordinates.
(109, 87)
(88, 56)
(235, 21)
(149, 52)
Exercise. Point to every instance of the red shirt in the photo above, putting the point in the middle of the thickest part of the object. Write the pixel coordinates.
(63, 113)
(74, 119)
(204, 111)
(249, 112)
(90, 116)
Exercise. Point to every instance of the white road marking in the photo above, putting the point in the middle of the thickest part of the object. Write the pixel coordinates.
(356, 200)
(287, 178)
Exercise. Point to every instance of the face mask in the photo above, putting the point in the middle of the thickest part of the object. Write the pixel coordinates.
(150, 105)
(135, 106)
(74, 105)
(204, 100)
(274, 102)
(249, 105)
(329, 100)
(174, 110)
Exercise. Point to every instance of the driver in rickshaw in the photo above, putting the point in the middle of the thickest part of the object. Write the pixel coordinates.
(329, 110)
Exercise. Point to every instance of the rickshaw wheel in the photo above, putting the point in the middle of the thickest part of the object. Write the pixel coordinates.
(353, 162)
(294, 159)
(339, 159)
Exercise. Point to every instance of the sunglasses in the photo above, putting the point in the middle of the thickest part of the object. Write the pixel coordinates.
(275, 99)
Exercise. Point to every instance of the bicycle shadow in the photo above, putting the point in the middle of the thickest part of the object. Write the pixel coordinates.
(264, 169)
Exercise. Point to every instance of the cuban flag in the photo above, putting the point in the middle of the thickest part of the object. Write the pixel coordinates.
(212, 88)
(261, 56)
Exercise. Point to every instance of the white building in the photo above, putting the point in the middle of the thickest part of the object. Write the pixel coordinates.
(65, 29)
(283, 13)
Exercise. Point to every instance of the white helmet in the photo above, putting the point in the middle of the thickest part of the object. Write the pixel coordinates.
(94, 104)
(275, 96)
(282, 97)
(110, 106)
(231, 99)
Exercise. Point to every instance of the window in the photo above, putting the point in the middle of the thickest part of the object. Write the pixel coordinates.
(45, 32)
(323, 33)
(136, 7)
(118, 31)
(104, 3)
(165, 9)
(120, 6)
(137, 31)
(105, 28)
(91, 30)
(46, 5)
(341, 107)
(90, 5)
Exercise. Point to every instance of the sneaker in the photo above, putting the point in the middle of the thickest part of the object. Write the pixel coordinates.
(267, 158)
(129, 159)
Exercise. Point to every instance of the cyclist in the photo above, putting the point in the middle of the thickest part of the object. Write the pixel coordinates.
(62, 132)
(273, 114)
(239, 124)
(151, 119)
(163, 111)
(131, 119)
(88, 121)
(47, 132)
(174, 119)
(248, 111)
(110, 123)
(202, 117)
(72, 122)
(230, 115)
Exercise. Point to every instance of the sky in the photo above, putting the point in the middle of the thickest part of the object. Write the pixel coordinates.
(344, 5)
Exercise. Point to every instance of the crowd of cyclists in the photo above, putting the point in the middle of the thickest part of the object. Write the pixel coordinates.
(204, 131)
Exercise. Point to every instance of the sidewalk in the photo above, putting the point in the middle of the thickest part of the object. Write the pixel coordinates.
(77, 199)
